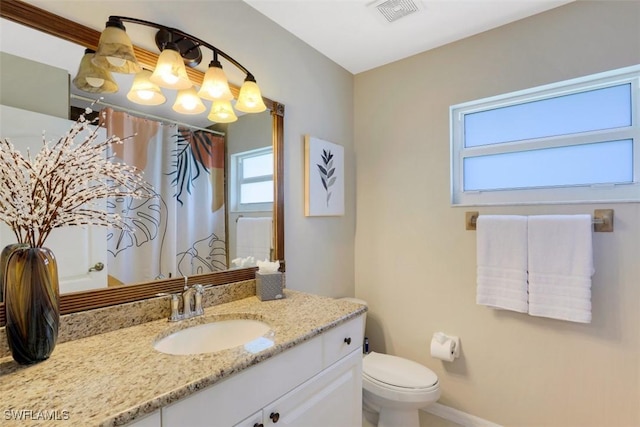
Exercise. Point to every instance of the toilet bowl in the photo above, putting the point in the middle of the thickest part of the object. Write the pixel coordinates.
(394, 389)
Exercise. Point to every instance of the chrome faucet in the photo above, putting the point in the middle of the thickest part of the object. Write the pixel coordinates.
(189, 294)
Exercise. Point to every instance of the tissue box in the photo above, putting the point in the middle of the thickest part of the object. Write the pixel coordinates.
(269, 286)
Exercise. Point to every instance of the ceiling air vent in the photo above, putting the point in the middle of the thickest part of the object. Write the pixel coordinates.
(392, 10)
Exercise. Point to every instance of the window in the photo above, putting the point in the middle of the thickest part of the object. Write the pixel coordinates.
(252, 180)
(573, 141)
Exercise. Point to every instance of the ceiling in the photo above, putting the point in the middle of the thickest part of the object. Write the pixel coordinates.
(352, 33)
(355, 35)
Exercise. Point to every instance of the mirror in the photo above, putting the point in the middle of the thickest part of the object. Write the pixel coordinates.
(41, 20)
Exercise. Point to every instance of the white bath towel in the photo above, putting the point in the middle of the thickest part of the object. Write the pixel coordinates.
(502, 262)
(560, 267)
(254, 238)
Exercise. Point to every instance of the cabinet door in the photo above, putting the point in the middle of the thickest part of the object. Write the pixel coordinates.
(331, 398)
(151, 420)
(254, 420)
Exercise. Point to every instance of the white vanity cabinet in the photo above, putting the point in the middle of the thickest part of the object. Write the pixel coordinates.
(315, 383)
(331, 398)
(151, 420)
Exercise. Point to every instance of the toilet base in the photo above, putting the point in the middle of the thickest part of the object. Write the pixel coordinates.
(389, 416)
(369, 414)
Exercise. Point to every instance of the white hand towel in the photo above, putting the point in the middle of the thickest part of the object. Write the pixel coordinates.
(560, 267)
(502, 262)
(254, 238)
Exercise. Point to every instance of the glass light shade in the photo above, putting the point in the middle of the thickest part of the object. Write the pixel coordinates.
(250, 98)
(222, 112)
(115, 52)
(170, 72)
(144, 92)
(188, 102)
(215, 85)
(93, 79)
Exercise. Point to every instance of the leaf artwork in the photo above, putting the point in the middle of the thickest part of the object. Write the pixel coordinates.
(327, 172)
(188, 163)
(146, 220)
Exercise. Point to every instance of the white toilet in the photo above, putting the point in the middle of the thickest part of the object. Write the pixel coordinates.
(394, 389)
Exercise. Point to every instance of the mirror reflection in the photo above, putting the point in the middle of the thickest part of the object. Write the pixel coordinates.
(214, 185)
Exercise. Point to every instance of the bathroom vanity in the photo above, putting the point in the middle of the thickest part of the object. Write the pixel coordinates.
(305, 371)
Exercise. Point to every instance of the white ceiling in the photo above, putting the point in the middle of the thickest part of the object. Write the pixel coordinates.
(356, 36)
(350, 32)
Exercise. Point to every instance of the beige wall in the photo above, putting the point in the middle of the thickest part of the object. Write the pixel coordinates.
(415, 263)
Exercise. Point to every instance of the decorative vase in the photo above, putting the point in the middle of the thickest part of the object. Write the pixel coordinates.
(32, 304)
(4, 258)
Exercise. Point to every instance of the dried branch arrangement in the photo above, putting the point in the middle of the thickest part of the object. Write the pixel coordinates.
(64, 184)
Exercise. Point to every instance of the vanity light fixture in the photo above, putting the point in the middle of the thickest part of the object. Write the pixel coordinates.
(115, 51)
(115, 54)
(170, 72)
(93, 79)
(144, 91)
(215, 85)
(222, 112)
(188, 102)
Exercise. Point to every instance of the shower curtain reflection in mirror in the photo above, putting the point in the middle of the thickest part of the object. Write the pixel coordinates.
(170, 235)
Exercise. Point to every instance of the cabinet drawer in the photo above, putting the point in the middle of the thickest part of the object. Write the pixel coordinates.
(342, 340)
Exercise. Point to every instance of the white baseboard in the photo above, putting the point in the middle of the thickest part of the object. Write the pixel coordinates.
(457, 416)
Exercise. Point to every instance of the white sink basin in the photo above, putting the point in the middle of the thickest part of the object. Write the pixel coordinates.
(216, 336)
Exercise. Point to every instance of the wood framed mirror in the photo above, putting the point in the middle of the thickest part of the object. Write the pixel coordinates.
(54, 25)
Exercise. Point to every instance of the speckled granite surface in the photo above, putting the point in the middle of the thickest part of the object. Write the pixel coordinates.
(115, 377)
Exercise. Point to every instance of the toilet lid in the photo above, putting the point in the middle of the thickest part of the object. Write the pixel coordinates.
(396, 371)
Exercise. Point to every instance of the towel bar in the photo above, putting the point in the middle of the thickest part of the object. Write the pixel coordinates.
(602, 220)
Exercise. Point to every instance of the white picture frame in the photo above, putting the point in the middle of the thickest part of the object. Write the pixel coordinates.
(324, 177)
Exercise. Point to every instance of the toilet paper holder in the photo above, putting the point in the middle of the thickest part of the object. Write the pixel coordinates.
(442, 341)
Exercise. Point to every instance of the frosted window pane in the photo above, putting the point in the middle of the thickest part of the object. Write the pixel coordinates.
(598, 109)
(257, 192)
(600, 163)
(257, 166)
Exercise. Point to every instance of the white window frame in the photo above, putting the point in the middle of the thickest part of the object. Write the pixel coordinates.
(237, 181)
(626, 192)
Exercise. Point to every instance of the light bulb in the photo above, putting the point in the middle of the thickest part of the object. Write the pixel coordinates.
(187, 102)
(145, 94)
(170, 78)
(215, 85)
(250, 98)
(94, 81)
(170, 72)
(116, 62)
(222, 112)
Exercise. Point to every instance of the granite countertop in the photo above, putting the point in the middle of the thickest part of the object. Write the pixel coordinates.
(116, 377)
